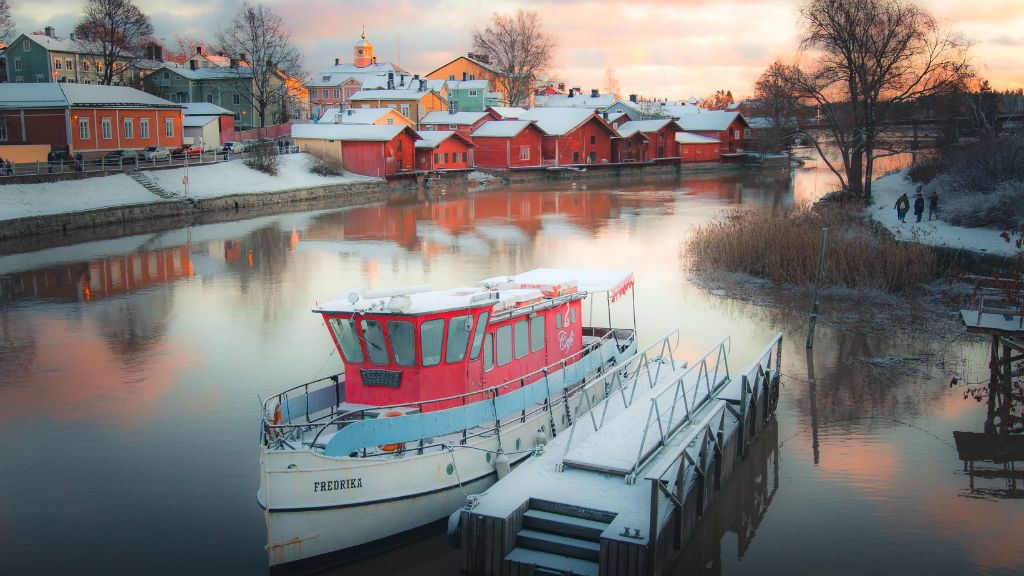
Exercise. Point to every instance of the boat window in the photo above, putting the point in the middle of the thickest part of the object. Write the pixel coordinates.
(488, 353)
(536, 333)
(558, 321)
(522, 339)
(345, 331)
(572, 316)
(431, 334)
(478, 335)
(374, 337)
(403, 345)
(504, 344)
(458, 338)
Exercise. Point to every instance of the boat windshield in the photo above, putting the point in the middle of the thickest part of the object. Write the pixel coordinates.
(431, 335)
(345, 331)
(403, 344)
(478, 335)
(375, 346)
(458, 338)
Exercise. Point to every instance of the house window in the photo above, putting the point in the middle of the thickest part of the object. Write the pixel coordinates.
(445, 157)
(472, 93)
(167, 75)
(144, 128)
(85, 66)
(450, 76)
(169, 127)
(26, 46)
(83, 129)
(99, 66)
(314, 93)
(69, 65)
(129, 128)
(337, 93)
(472, 77)
(326, 78)
(57, 64)
(237, 117)
(524, 153)
(391, 121)
(405, 109)
(746, 132)
(236, 99)
(209, 98)
(399, 145)
(575, 157)
(17, 64)
(593, 140)
(437, 158)
(105, 129)
(3, 132)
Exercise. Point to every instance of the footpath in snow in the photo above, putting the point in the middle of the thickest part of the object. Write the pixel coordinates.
(932, 232)
(209, 181)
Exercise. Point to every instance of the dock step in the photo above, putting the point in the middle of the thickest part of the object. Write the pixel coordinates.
(558, 544)
(561, 524)
(546, 563)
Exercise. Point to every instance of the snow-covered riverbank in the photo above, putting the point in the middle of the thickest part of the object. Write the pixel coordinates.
(210, 181)
(932, 232)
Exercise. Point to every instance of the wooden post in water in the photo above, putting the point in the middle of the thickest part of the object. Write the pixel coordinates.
(817, 286)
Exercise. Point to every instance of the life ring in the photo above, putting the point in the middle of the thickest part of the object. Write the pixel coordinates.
(274, 421)
(391, 414)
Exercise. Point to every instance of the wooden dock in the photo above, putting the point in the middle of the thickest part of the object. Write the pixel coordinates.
(622, 491)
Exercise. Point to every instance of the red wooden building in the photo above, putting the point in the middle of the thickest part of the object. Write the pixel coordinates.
(632, 148)
(660, 136)
(87, 119)
(573, 135)
(505, 144)
(462, 122)
(443, 150)
(696, 148)
(729, 128)
(370, 150)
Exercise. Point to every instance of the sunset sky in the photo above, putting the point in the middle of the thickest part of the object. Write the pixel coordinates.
(658, 48)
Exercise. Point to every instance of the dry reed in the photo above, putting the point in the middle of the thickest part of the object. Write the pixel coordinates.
(783, 248)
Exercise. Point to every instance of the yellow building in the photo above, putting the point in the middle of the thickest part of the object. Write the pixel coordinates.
(476, 67)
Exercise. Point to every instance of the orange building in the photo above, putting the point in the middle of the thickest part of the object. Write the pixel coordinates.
(88, 119)
(477, 67)
(414, 100)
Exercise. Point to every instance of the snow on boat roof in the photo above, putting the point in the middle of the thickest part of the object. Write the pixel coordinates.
(503, 291)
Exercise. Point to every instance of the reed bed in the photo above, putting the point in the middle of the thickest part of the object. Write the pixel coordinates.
(783, 248)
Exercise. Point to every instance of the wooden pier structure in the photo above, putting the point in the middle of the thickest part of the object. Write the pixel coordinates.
(622, 491)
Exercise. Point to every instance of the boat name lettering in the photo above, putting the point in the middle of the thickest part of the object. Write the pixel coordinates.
(565, 340)
(330, 485)
(389, 378)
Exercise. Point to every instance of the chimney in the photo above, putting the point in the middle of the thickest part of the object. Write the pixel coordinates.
(199, 50)
(233, 63)
(192, 64)
(391, 80)
(243, 57)
(594, 93)
(605, 115)
(465, 76)
(337, 61)
(49, 31)
(632, 98)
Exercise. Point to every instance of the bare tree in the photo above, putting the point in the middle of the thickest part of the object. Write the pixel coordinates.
(6, 22)
(258, 34)
(519, 48)
(775, 102)
(186, 46)
(116, 29)
(611, 83)
(651, 109)
(866, 60)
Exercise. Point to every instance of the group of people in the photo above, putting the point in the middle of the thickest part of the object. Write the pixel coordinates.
(6, 167)
(903, 205)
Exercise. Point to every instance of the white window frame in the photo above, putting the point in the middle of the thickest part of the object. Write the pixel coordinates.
(314, 93)
(405, 110)
(524, 152)
(472, 93)
(69, 65)
(17, 64)
(129, 128)
(391, 121)
(169, 127)
(144, 128)
(58, 64)
(83, 129)
(26, 45)
(106, 129)
(337, 93)
(236, 99)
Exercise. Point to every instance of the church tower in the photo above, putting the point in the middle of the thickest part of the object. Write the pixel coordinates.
(362, 52)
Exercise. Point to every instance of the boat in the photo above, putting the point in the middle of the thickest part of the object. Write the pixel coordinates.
(442, 392)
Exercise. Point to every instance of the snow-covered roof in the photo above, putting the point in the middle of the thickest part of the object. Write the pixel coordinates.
(600, 101)
(205, 109)
(348, 132)
(558, 121)
(399, 94)
(467, 84)
(355, 115)
(65, 94)
(211, 73)
(339, 73)
(613, 116)
(197, 121)
(633, 126)
(55, 44)
(500, 128)
(431, 138)
(677, 110)
(508, 112)
(691, 138)
(717, 120)
(459, 118)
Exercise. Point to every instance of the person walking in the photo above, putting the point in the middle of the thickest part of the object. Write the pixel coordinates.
(902, 207)
(919, 206)
(933, 205)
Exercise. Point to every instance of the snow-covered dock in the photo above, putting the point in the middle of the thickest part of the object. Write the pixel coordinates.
(621, 491)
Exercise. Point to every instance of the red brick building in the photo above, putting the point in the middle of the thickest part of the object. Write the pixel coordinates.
(443, 150)
(370, 150)
(87, 119)
(506, 144)
(729, 128)
(573, 135)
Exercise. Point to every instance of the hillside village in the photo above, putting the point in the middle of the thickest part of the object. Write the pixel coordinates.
(360, 115)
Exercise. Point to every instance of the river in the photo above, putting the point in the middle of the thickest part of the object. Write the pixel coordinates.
(130, 370)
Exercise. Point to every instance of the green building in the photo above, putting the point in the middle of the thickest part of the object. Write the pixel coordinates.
(47, 58)
(472, 95)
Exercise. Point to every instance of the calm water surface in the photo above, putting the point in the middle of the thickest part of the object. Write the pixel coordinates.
(130, 370)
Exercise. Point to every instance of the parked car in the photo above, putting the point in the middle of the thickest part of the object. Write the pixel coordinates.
(250, 144)
(156, 153)
(119, 157)
(233, 147)
(190, 150)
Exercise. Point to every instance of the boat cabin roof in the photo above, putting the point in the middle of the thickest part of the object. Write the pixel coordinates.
(504, 292)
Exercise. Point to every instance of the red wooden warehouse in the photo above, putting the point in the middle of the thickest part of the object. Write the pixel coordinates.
(729, 128)
(660, 135)
(573, 135)
(505, 144)
(443, 150)
(462, 122)
(370, 150)
(697, 148)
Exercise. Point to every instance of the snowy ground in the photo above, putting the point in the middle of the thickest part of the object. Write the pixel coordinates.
(22, 200)
(236, 178)
(935, 232)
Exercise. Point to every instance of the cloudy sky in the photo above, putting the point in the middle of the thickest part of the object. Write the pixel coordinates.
(663, 48)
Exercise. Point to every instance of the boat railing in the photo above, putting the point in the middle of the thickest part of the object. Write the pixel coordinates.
(279, 434)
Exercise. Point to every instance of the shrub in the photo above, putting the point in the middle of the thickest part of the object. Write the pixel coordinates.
(263, 157)
(783, 248)
(322, 166)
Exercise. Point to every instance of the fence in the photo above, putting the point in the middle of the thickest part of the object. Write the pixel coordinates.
(270, 132)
